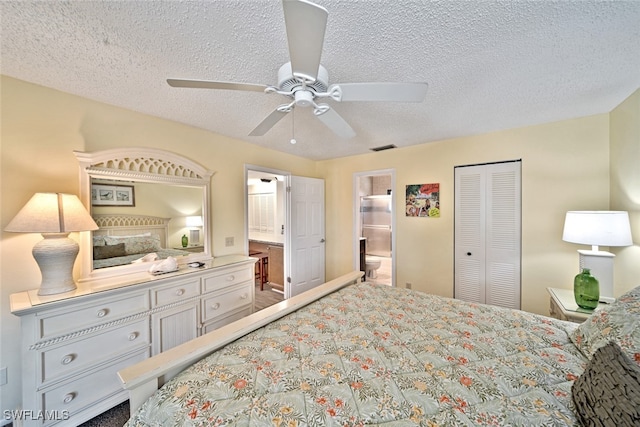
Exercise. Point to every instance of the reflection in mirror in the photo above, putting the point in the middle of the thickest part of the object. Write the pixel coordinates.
(139, 221)
(149, 204)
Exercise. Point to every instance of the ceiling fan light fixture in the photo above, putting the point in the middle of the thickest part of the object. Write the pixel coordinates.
(304, 98)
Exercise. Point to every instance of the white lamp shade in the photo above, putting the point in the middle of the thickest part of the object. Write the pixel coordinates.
(194, 221)
(597, 228)
(52, 213)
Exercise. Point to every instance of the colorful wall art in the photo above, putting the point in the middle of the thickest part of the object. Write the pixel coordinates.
(423, 200)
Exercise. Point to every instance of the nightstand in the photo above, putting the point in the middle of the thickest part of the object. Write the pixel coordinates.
(562, 305)
(192, 248)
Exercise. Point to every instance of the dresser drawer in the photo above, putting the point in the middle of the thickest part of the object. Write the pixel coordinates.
(231, 277)
(176, 292)
(85, 391)
(68, 320)
(227, 301)
(76, 356)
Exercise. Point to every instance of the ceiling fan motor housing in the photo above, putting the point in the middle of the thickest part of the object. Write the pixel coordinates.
(288, 83)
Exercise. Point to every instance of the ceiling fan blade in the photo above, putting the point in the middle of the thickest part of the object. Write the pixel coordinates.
(269, 122)
(206, 84)
(306, 23)
(389, 92)
(334, 121)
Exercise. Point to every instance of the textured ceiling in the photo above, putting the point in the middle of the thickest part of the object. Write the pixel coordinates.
(490, 65)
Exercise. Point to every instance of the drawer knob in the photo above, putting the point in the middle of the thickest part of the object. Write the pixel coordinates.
(103, 312)
(216, 306)
(133, 336)
(67, 359)
(244, 296)
(231, 278)
(68, 398)
(180, 292)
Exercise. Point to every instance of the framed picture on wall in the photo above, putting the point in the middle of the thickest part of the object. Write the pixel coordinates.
(423, 200)
(112, 195)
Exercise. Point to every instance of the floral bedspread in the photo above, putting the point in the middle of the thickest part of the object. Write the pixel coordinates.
(373, 355)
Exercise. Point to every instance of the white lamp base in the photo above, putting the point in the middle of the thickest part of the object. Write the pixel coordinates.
(194, 237)
(55, 255)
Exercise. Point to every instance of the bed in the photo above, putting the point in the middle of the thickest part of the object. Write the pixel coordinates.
(122, 239)
(356, 353)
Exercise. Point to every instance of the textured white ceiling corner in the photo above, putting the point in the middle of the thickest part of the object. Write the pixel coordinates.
(490, 65)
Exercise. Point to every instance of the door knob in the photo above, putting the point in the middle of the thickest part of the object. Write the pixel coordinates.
(468, 253)
(322, 240)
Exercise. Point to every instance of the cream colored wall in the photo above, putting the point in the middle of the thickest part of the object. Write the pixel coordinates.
(565, 167)
(625, 187)
(41, 128)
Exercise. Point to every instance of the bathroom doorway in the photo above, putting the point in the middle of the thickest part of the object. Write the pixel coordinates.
(374, 225)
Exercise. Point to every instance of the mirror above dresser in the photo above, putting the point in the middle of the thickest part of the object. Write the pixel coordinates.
(149, 204)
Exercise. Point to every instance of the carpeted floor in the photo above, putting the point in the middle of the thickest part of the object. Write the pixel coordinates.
(114, 417)
(118, 416)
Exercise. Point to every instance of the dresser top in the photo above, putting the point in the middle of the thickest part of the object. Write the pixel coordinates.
(24, 302)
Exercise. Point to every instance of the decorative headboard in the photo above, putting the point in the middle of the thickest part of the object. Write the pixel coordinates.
(125, 225)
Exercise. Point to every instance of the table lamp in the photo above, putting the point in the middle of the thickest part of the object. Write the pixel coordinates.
(194, 233)
(54, 215)
(598, 228)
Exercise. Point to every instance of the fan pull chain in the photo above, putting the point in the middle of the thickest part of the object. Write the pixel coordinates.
(293, 129)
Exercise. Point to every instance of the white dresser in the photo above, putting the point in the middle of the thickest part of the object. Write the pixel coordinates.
(73, 344)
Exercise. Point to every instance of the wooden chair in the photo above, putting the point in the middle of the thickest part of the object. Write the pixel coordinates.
(262, 267)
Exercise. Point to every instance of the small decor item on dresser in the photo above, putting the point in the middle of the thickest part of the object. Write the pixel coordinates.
(185, 241)
(586, 290)
(168, 265)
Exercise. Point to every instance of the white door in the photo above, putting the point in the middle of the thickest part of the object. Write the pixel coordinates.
(304, 268)
(488, 233)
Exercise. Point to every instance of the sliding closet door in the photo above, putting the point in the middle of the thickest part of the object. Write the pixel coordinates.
(470, 209)
(488, 233)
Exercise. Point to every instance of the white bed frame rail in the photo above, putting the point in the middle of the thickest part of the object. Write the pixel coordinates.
(144, 378)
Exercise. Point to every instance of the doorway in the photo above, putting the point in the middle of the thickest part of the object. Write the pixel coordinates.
(374, 225)
(265, 231)
(285, 229)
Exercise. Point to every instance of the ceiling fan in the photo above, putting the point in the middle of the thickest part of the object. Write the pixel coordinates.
(304, 81)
